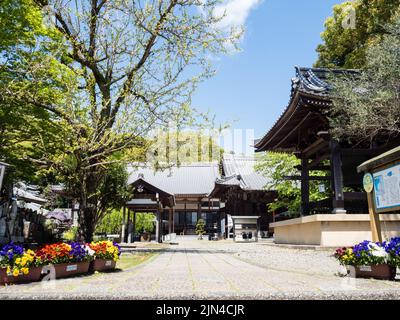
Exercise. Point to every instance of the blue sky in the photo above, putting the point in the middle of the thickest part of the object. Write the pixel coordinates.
(253, 86)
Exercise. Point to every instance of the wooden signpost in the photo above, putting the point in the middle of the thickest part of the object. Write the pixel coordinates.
(382, 183)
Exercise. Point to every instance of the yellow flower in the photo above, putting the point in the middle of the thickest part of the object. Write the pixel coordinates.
(18, 260)
(25, 270)
(23, 262)
(8, 270)
(15, 272)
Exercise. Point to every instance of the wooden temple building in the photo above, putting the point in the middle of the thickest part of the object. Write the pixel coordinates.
(303, 129)
(178, 197)
(215, 192)
(244, 193)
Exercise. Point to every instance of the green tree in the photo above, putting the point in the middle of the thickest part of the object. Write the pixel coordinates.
(26, 131)
(145, 222)
(353, 28)
(277, 166)
(111, 223)
(200, 225)
(187, 146)
(107, 73)
(366, 106)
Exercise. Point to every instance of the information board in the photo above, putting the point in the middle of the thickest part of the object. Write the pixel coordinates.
(387, 188)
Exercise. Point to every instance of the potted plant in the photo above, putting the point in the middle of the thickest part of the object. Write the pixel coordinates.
(18, 265)
(68, 259)
(200, 225)
(106, 255)
(368, 260)
(145, 236)
(393, 249)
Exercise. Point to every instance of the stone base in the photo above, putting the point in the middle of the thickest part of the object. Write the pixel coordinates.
(333, 230)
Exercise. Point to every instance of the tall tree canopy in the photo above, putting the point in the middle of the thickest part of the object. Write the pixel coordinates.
(20, 127)
(366, 106)
(353, 28)
(105, 73)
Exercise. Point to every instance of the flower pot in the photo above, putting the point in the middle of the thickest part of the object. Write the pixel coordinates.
(33, 276)
(381, 271)
(145, 237)
(102, 265)
(64, 270)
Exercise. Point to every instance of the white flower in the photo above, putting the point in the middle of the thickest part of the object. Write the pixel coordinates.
(89, 251)
(378, 251)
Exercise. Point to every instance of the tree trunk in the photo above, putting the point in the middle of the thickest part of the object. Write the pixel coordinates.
(87, 224)
(88, 208)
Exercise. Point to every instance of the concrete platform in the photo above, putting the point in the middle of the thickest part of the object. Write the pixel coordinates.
(333, 230)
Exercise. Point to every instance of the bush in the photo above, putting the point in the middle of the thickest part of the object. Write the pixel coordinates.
(71, 234)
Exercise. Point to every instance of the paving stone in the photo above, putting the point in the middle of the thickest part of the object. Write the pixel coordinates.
(218, 270)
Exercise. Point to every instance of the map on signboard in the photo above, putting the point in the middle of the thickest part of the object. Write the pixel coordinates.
(387, 188)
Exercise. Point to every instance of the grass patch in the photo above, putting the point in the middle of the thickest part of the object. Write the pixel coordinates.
(132, 259)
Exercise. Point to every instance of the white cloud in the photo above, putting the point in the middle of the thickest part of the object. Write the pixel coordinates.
(236, 12)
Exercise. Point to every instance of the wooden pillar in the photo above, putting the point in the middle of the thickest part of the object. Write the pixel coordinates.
(374, 217)
(199, 211)
(170, 220)
(160, 216)
(337, 178)
(129, 239)
(123, 227)
(185, 219)
(305, 188)
(173, 219)
(157, 226)
(226, 226)
(134, 226)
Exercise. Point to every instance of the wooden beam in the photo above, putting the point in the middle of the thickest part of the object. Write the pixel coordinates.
(360, 152)
(309, 178)
(314, 148)
(316, 168)
(319, 159)
(294, 129)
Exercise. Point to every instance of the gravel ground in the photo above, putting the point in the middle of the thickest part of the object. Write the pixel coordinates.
(218, 270)
(318, 262)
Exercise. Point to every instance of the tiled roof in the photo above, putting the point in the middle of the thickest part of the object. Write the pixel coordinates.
(316, 80)
(22, 192)
(240, 171)
(195, 179)
(312, 83)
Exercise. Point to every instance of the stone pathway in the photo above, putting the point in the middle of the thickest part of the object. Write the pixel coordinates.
(217, 270)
